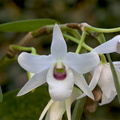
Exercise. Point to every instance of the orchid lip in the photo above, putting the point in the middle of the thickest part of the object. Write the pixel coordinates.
(59, 72)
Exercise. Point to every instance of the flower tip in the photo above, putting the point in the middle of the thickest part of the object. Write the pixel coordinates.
(83, 95)
(56, 27)
(40, 119)
(56, 24)
(20, 93)
(92, 97)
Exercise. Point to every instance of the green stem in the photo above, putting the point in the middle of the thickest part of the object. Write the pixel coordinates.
(102, 30)
(103, 59)
(81, 42)
(49, 29)
(77, 41)
(87, 47)
(28, 75)
(71, 38)
(30, 49)
(5, 60)
(21, 48)
(74, 32)
(100, 37)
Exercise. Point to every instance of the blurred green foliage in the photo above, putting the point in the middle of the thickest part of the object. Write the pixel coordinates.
(26, 25)
(30, 106)
(27, 107)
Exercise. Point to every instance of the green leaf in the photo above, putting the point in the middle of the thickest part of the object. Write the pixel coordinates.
(1, 95)
(78, 110)
(25, 25)
(27, 107)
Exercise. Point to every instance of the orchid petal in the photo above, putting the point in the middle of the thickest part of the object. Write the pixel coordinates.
(58, 47)
(95, 78)
(34, 82)
(56, 110)
(106, 82)
(34, 63)
(106, 100)
(82, 63)
(47, 116)
(60, 89)
(46, 109)
(96, 75)
(110, 46)
(82, 84)
(68, 108)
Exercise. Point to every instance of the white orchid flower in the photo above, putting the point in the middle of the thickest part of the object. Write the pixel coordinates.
(106, 81)
(61, 70)
(102, 74)
(56, 109)
(110, 46)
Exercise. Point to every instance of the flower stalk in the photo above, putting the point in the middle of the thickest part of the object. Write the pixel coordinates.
(102, 30)
(21, 48)
(75, 40)
(81, 42)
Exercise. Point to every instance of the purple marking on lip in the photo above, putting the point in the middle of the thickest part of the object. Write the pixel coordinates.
(59, 75)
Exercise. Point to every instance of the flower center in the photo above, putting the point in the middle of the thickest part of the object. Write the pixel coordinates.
(59, 72)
